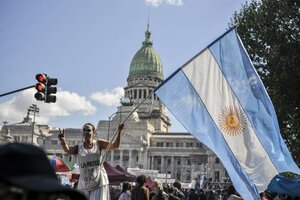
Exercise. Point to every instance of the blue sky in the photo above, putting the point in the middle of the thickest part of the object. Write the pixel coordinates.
(88, 46)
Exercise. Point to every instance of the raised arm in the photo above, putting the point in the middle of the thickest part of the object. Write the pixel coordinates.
(104, 143)
(64, 145)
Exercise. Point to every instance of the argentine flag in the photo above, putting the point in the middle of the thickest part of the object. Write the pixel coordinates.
(219, 98)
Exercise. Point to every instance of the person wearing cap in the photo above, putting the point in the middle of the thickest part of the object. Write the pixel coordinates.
(93, 180)
(26, 174)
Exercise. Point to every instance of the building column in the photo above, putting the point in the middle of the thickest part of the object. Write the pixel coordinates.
(172, 167)
(162, 164)
(130, 159)
(183, 169)
(121, 158)
(112, 157)
(152, 162)
(140, 159)
(145, 159)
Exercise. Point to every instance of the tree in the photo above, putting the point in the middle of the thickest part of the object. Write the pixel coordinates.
(270, 31)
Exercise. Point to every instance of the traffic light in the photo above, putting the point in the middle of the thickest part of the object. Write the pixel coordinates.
(40, 87)
(51, 90)
(45, 88)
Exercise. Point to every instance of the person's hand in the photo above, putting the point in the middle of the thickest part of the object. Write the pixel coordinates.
(120, 128)
(61, 136)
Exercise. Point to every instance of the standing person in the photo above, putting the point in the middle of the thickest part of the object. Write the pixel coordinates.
(140, 192)
(159, 192)
(93, 181)
(192, 195)
(197, 186)
(125, 193)
(232, 194)
(178, 193)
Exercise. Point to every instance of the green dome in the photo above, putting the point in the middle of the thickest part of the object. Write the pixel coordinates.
(146, 61)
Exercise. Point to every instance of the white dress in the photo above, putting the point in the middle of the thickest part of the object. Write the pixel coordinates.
(93, 181)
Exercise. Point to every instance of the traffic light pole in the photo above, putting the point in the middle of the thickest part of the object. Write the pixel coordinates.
(25, 88)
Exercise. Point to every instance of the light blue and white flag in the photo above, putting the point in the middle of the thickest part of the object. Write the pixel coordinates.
(219, 98)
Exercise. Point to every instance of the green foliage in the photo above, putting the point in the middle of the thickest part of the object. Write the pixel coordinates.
(270, 31)
(290, 175)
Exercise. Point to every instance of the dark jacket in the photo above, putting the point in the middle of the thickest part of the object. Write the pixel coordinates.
(161, 196)
(140, 193)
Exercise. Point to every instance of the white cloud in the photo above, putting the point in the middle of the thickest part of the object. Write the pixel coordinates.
(109, 98)
(67, 103)
(156, 3)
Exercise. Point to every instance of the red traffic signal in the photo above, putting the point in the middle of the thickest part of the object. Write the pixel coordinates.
(42, 78)
(40, 86)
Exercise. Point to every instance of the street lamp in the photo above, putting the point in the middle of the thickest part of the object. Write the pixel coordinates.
(33, 109)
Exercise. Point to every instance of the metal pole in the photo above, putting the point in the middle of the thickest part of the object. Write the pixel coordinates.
(108, 131)
(35, 110)
(116, 132)
(25, 88)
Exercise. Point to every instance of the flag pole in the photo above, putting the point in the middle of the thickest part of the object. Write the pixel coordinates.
(116, 132)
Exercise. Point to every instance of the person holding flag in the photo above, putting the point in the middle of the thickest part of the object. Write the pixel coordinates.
(93, 181)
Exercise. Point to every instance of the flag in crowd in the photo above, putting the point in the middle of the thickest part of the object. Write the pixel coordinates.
(219, 98)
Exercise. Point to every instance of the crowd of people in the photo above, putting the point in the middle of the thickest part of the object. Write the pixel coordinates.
(160, 191)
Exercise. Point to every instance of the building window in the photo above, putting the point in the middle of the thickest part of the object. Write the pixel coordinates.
(17, 138)
(179, 144)
(168, 144)
(134, 94)
(70, 158)
(217, 176)
(126, 158)
(189, 161)
(160, 144)
(169, 161)
(150, 93)
(190, 144)
(158, 161)
(145, 94)
(178, 161)
(54, 142)
(25, 138)
(140, 94)
(217, 160)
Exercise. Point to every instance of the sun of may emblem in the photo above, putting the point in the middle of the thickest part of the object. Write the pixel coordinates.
(232, 121)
